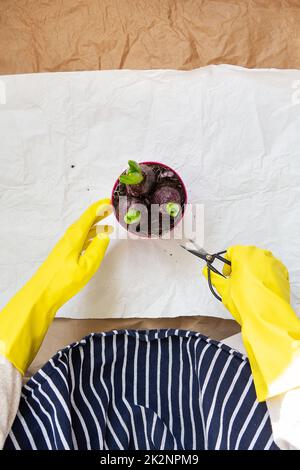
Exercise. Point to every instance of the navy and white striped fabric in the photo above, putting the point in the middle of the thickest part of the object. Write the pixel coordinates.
(156, 389)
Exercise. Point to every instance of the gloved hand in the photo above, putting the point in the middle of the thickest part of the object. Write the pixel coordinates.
(257, 294)
(69, 267)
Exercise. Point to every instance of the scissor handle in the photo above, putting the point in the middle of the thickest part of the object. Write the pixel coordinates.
(209, 259)
(212, 268)
(221, 258)
(209, 268)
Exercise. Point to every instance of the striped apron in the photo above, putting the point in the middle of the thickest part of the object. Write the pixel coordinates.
(152, 389)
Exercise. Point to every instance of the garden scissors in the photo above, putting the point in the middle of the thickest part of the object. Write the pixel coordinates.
(210, 259)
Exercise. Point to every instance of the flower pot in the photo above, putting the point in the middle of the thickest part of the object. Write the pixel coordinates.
(152, 207)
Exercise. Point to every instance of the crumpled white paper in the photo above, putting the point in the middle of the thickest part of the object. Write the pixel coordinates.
(232, 134)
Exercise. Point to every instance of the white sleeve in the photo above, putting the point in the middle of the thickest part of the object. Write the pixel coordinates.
(285, 418)
(10, 392)
(284, 409)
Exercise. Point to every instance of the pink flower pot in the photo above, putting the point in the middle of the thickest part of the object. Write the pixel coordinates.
(174, 180)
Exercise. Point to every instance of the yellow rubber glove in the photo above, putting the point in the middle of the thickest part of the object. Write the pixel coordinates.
(257, 294)
(25, 320)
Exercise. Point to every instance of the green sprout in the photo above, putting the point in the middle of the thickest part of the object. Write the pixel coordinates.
(133, 216)
(133, 175)
(172, 209)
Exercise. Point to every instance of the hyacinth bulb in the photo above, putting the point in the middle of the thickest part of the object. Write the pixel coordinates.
(139, 179)
(168, 199)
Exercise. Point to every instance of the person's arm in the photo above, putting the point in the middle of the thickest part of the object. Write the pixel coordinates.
(257, 294)
(10, 392)
(25, 320)
(284, 409)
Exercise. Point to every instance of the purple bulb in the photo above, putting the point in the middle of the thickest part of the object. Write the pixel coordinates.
(166, 194)
(143, 188)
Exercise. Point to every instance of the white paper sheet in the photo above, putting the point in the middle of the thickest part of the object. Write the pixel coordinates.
(233, 135)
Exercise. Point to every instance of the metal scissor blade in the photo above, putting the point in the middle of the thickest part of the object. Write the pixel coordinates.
(200, 254)
(196, 247)
(209, 258)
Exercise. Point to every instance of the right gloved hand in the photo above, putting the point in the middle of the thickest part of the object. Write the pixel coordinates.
(257, 294)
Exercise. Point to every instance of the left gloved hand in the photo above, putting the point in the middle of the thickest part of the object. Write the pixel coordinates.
(69, 267)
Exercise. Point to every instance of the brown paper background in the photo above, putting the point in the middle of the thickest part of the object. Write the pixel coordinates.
(70, 35)
(65, 35)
